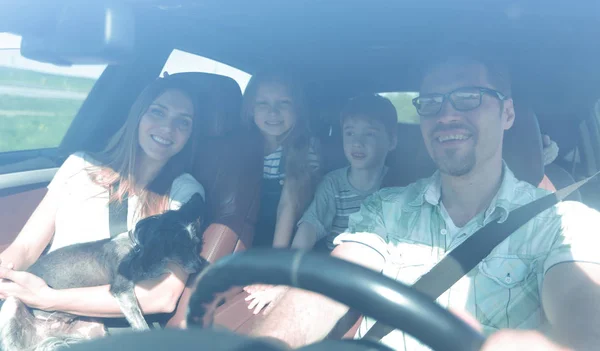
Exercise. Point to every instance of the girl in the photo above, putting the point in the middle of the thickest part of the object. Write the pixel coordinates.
(143, 163)
(275, 106)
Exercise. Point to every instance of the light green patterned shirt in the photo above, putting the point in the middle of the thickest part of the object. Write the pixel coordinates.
(410, 229)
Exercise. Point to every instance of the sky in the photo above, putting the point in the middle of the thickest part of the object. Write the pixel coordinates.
(178, 61)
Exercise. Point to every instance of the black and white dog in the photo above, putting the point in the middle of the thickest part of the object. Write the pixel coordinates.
(142, 254)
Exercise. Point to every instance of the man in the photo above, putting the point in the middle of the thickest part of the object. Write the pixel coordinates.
(545, 276)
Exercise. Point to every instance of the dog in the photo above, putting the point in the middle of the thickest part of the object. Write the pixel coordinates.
(121, 262)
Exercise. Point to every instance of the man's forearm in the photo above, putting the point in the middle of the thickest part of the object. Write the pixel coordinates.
(573, 310)
(301, 318)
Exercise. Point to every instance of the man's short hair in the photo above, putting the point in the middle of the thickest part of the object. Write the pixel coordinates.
(372, 107)
(498, 73)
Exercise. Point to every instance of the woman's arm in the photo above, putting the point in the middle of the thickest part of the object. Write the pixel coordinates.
(35, 235)
(154, 296)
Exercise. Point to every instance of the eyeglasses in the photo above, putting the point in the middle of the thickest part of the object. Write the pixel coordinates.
(462, 99)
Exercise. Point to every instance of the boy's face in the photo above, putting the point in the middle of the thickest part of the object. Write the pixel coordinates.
(366, 142)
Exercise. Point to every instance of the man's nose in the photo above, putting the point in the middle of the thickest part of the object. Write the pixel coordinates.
(448, 113)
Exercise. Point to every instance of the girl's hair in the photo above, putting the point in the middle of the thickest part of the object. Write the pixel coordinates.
(300, 173)
(118, 160)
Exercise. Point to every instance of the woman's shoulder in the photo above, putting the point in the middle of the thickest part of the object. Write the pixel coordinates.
(74, 166)
(81, 159)
(183, 188)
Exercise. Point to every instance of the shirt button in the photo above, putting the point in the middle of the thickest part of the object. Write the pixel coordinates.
(508, 279)
(443, 231)
(281, 182)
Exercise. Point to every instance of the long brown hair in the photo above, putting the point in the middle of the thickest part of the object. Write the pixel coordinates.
(118, 160)
(296, 143)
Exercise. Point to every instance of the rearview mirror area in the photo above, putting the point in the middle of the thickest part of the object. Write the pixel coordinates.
(86, 32)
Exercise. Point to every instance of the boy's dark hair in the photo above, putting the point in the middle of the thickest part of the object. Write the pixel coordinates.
(372, 107)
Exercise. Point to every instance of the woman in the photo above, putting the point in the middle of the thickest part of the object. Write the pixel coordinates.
(143, 163)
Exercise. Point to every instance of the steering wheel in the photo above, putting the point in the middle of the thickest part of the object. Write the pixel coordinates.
(366, 291)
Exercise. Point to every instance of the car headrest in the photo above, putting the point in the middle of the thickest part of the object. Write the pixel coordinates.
(522, 149)
(224, 98)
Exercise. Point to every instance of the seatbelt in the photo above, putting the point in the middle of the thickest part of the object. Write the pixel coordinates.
(117, 223)
(474, 249)
(117, 213)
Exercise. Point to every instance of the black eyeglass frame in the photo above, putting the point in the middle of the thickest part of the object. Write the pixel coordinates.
(482, 90)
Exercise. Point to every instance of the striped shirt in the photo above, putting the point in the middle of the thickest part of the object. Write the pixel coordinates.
(409, 228)
(335, 200)
(272, 162)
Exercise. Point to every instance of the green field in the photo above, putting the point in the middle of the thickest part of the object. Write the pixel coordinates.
(28, 123)
(404, 107)
(32, 79)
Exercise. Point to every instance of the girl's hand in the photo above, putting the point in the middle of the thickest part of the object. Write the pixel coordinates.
(261, 299)
(28, 288)
(256, 288)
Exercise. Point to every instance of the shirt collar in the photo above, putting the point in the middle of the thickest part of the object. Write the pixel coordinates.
(432, 192)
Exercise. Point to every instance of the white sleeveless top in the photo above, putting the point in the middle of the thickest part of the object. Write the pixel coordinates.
(82, 214)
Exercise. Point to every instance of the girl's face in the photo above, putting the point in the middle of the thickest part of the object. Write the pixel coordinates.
(274, 110)
(166, 126)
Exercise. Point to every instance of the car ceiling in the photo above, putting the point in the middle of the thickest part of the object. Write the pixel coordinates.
(377, 45)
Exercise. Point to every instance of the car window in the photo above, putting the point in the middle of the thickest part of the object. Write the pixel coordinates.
(38, 101)
(181, 61)
(404, 108)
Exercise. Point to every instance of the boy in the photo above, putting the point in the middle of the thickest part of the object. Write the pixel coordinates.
(369, 124)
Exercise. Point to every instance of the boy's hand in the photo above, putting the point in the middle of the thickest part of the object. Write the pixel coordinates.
(261, 299)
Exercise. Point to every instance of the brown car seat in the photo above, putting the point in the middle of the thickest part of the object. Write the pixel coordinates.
(230, 170)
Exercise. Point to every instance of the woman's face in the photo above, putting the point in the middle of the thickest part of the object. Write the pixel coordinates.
(166, 126)
(274, 110)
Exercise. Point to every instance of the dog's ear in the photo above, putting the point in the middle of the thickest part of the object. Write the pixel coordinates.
(193, 209)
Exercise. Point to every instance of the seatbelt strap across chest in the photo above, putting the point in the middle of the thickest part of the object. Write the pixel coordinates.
(474, 249)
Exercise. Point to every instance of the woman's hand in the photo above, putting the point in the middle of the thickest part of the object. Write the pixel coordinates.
(28, 288)
(7, 265)
(260, 299)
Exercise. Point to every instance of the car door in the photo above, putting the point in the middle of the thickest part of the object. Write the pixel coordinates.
(38, 102)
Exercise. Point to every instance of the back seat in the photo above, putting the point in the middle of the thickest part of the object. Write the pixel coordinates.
(230, 170)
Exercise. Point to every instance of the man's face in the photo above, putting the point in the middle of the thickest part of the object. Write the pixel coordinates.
(460, 141)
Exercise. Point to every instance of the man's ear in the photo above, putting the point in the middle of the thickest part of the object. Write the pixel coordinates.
(508, 115)
(193, 209)
(393, 141)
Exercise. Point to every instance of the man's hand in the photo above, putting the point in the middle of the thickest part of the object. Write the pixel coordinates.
(509, 339)
(30, 289)
(270, 297)
(520, 340)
